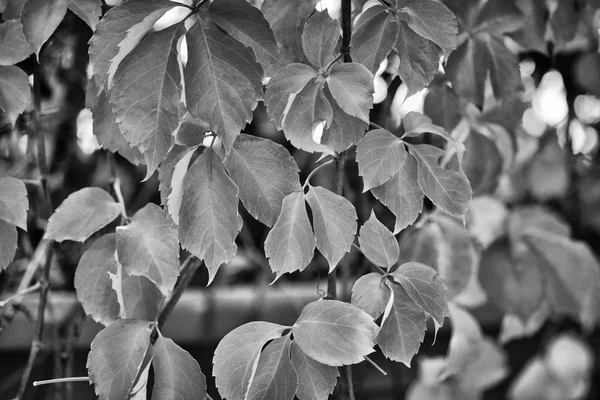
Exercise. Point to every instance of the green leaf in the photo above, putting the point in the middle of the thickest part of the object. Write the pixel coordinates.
(40, 19)
(237, 356)
(265, 173)
(335, 333)
(148, 247)
(316, 381)
(290, 245)
(447, 189)
(403, 328)
(275, 377)
(248, 25)
(432, 20)
(351, 85)
(81, 215)
(177, 376)
(345, 130)
(377, 243)
(118, 32)
(13, 202)
(15, 93)
(334, 220)
(13, 45)
(190, 131)
(380, 155)
(146, 100)
(425, 287)
(223, 80)
(374, 36)
(88, 10)
(116, 355)
(319, 38)
(371, 294)
(209, 220)
(171, 174)
(8, 243)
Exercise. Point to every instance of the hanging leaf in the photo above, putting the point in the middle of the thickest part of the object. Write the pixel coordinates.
(15, 93)
(81, 215)
(146, 100)
(319, 38)
(13, 202)
(223, 80)
(335, 333)
(377, 243)
(275, 377)
(237, 356)
(148, 247)
(88, 10)
(265, 172)
(40, 19)
(116, 355)
(380, 155)
(432, 20)
(8, 243)
(118, 32)
(334, 220)
(344, 131)
(208, 219)
(403, 329)
(351, 85)
(316, 381)
(176, 374)
(371, 294)
(290, 245)
(13, 44)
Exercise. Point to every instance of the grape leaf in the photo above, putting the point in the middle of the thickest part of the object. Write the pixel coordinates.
(119, 31)
(223, 80)
(432, 20)
(40, 19)
(81, 215)
(237, 356)
(265, 173)
(8, 243)
(15, 93)
(371, 294)
(208, 219)
(177, 376)
(146, 100)
(377, 243)
(290, 245)
(248, 25)
(116, 355)
(380, 155)
(345, 130)
(447, 189)
(148, 247)
(335, 333)
(351, 85)
(316, 381)
(275, 377)
(319, 38)
(426, 288)
(13, 202)
(403, 329)
(88, 10)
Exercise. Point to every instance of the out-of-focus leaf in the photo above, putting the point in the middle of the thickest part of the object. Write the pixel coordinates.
(486, 219)
(371, 294)
(8, 243)
(40, 19)
(482, 164)
(275, 377)
(548, 175)
(319, 38)
(443, 107)
(465, 342)
(316, 381)
(13, 202)
(377, 243)
(15, 93)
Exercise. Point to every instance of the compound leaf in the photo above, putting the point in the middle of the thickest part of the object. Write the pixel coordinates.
(371, 294)
(40, 19)
(275, 377)
(380, 155)
(377, 243)
(13, 202)
(8, 243)
(432, 20)
(351, 85)
(316, 381)
(319, 38)
(13, 44)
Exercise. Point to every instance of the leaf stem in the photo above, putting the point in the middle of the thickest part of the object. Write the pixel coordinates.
(306, 182)
(116, 184)
(377, 367)
(20, 294)
(62, 380)
(376, 126)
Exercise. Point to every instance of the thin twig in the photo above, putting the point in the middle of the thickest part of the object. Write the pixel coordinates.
(306, 182)
(20, 294)
(62, 380)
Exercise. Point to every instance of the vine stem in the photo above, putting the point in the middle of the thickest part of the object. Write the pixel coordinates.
(20, 294)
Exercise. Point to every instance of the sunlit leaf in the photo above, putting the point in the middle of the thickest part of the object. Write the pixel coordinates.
(13, 202)
(8, 243)
(374, 36)
(319, 38)
(275, 377)
(351, 85)
(377, 243)
(316, 381)
(40, 19)
(465, 343)
(15, 93)
(380, 155)
(13, 44)
(371, 294)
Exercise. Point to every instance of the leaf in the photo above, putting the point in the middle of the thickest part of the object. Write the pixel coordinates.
(237, 356)
(265, 173)
(380, 155)
(13, 202)
(374, 36)
(146, 100)
(465, 343)
(344, 131)
(208, 219)
(177, 376)
(170, 176)
(351, 85)
(148, 247)
(425, 287)
(504, 68)
(116, 355)
(316, 381)
(8, 243)
(371, 294)
(138, 297)
(403, 329)
(119, 32)
(190, 131)
(223, 80)
(433, 21)
(443, 107)
(290, 245)
(319, 38)
(40, 19)
(249, 27)
(88, 10)
(81, 215)
(466, 71)
(275, 377)
(15, 93)
(377, 243)
(449, 190)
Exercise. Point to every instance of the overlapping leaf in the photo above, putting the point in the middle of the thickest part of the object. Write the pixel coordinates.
(40, 19)
(316, 381)
(13, 202)
(345, 130)
(377, 243)
(208, 219)
(319, 38)
(380, 155)
(15, 92)
(171, 174)
(8, 243)
(275, 376)
(371, 294)
(351, 85)
(88, 10)
(465, 343)
(432, 20)
(138, 297)
(190, 131)
(13, 44)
